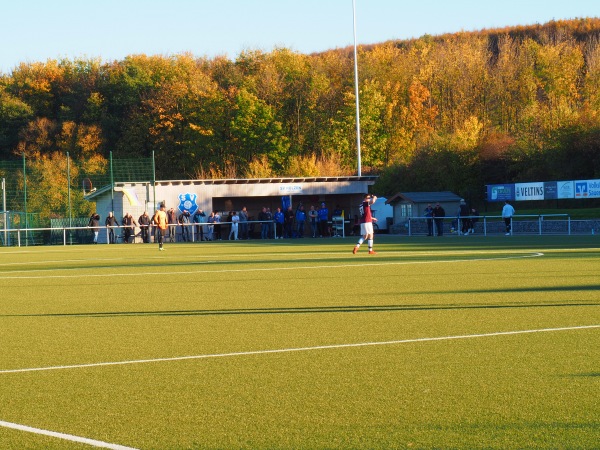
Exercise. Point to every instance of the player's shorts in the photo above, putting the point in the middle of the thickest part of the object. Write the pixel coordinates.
(366, 228)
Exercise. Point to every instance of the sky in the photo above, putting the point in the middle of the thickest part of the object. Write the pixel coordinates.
(38, 30)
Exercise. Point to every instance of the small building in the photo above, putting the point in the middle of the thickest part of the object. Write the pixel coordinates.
(407, 205)
(224, 195)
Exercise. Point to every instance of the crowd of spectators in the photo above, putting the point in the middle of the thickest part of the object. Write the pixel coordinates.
(238, 225)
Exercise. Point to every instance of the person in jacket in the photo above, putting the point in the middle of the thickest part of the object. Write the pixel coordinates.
(199, 219)
(129, 225)
(263, 218)
(279, 220)
(313, 218)
(184, 222)
(144, 223)
(289, 222)
(172, 219)
(244, 223)
(428, 213)
(507, 213)
(463, 217)
(438, 217)
(111, 222)
(300, 220)
(94, 223)
(323, 215)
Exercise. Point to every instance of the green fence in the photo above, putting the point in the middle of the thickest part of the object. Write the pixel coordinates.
(35, 192)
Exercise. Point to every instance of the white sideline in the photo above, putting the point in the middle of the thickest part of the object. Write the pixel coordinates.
(296, 349)
(263, 269)
(68, 437)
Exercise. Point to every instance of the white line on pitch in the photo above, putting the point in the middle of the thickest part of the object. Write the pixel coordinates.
(297, 349)
(269, 269)
(68, 437)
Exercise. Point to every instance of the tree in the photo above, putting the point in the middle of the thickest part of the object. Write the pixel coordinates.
(255, 131)
(14, 114)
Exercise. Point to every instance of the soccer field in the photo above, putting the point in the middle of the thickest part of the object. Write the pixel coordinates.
(457, 342)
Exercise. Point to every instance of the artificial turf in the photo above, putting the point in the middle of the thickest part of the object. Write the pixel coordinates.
(249, 344)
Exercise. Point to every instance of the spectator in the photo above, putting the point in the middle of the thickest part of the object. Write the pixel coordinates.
(184, 222)
(507, 213)
(474, 219)
(271, 224)
(463, 217)
(94, 223)
(235, 222)
(300, 220)
(111, 222)
(438, 218)
(199, 219)
(264, 223)
(278, 219)
(227, 225)
(210, 228)
(323, 216)
(217, 221)
(313, 218)
(129, 225)
(172, 220)
(428, 213)
(244, 223)
(144, 223)
(289, 222)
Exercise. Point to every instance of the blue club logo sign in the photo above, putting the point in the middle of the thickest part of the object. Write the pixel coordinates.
(188, 201)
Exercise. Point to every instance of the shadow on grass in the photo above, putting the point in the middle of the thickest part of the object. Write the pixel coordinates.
(305, 310)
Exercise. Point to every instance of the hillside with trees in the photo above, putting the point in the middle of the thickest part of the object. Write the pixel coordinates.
(451, 112)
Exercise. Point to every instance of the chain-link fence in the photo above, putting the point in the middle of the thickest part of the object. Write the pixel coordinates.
(49, 193)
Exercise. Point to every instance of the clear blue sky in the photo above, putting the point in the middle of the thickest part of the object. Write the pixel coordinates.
(37, 30)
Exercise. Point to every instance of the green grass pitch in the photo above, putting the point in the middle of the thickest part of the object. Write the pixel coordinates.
(457, 342)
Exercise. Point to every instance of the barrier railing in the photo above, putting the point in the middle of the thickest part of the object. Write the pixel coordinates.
(194, 232)
(544, 224)
(484, 225)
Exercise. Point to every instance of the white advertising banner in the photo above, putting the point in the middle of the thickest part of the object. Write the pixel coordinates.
(529, 191)
(565, 189)
(587, 189)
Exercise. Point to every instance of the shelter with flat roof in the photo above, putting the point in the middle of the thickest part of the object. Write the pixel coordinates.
(226, 195)
(412, 204)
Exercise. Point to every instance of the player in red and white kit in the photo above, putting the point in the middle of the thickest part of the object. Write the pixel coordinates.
(366, 224)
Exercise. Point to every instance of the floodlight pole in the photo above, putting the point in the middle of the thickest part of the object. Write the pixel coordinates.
(4, 209)
(69, 190)
(356, 91)
(112, 186)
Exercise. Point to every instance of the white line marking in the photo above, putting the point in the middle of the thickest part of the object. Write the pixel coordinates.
(68, 437)
(297, 349)
(268, 269)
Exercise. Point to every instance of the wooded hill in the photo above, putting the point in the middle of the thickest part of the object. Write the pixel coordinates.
(450, 112)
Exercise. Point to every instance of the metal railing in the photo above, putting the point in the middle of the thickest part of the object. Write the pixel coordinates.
(75, 235)
(488, 225)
